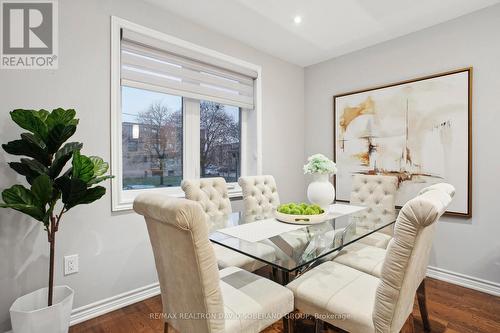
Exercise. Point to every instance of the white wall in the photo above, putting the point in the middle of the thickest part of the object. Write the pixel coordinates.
(466, 246)
(115, 255)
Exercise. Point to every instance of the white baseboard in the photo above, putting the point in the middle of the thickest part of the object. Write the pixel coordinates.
(101, 307)
(463, 280)
(106, 305)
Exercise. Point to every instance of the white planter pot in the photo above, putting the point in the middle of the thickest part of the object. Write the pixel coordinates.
(30, 313)
(320, 191)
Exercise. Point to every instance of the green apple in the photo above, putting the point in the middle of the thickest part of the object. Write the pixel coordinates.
(310, 211)
(284, 210)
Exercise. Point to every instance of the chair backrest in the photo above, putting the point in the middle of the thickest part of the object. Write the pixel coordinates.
(210, 193)
(445, 187)
(378, 193)
(260, 196)
(407, 258)
(185, 262)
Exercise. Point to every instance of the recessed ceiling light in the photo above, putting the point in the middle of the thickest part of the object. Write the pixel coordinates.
(297, 19)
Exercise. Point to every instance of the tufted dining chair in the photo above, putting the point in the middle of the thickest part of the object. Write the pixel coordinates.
(356, 301)
(260, 199)
(378, 194)
(212, 195)
(230, 300)
(370, 259)
(260, 196)
(445, 187)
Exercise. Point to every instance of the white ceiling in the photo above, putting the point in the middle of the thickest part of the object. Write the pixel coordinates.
(329, 28)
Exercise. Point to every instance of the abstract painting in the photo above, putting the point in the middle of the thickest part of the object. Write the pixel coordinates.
(418, 131)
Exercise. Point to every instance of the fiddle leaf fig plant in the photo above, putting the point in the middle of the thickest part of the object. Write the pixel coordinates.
(54, 185)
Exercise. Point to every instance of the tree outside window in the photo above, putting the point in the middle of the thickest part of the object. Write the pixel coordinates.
(219, 141)
(152, 138)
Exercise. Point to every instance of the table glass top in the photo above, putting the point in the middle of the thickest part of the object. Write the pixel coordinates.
(295, 249)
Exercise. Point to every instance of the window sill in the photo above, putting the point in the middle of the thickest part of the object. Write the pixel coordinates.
(234, 193)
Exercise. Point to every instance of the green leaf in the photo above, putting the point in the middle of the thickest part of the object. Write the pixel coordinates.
(30, 210)
(32, 121)
(34, 140)
(42, 189)
(61, 117)
(24, 170)
(21, 199)
(91, 195)
(100, 167)
(62, 157)
(18, 194)
(31, 169)
(75, 192)
(97, 180)
(42, 114)
(72, 190)
(58, 135)
(27, 148)
(83, 168)
(35, 166)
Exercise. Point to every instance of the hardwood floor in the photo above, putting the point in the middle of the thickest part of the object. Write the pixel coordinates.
(451, 308)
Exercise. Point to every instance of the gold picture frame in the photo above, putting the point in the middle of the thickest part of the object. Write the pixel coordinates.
(446, 85)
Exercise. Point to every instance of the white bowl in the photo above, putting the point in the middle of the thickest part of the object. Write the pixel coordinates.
(301, 219)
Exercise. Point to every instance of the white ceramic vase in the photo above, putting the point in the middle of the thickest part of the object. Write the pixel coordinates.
(320, 191)
(30, 313)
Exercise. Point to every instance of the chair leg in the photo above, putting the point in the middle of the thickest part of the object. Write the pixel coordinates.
(318, 325)
(422, 305)
(165, 328)
(287, 324)
(408, 327)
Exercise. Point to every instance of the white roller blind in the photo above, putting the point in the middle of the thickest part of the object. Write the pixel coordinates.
(154, 64)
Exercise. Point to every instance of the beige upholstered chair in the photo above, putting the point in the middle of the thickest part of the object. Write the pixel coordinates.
(359, 302)
(445, 187)
(260, 196)
(369, 259)
(378, 193)
(260, 199)
(212, 195)
(232, 300)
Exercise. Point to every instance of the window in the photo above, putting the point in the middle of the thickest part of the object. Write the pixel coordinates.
(220, 150)
(152, 131)
(178, 111)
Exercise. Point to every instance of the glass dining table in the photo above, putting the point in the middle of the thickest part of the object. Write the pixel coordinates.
(295, 250)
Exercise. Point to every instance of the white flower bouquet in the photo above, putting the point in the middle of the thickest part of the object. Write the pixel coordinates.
(319, 164)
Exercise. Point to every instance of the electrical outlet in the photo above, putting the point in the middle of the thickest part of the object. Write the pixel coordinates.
(71, 264)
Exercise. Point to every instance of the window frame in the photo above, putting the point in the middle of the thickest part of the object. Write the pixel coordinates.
(123, 199)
